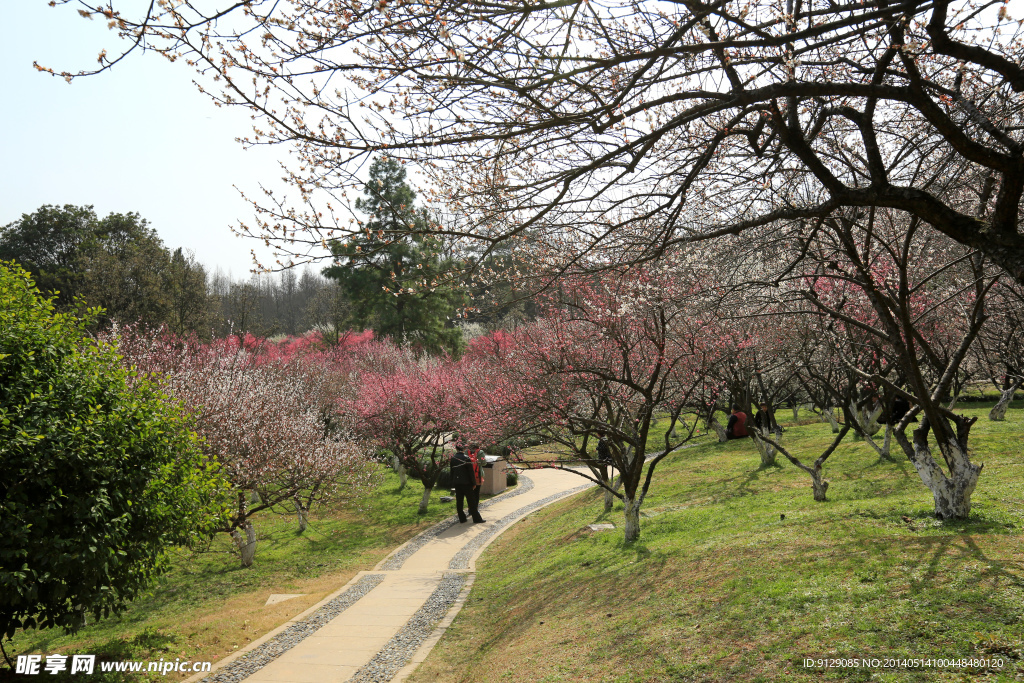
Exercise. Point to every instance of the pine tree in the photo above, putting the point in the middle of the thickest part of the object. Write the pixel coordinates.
(399, 285)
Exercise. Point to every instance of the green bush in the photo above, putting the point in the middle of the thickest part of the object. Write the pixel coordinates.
(506, 447)
(443, 478)
(100, 472)
(511, 477)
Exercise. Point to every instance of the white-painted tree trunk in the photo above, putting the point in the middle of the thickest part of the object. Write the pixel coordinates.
(609, 497)
(399, 468)
(718, 429)
(767, 450)
(631, 509)
(247, 545)
(302, 514)
(425, 500)
(818, 485)
(884, 451)
(952, 494)
(867, 419)
(830, 417)
(998, 412)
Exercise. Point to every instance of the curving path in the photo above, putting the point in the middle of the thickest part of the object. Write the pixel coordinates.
(384, 622)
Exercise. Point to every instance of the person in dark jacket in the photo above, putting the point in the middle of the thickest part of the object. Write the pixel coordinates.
(764, 419)
(736, 428)
(604, 451)
(900, 407)
(466, 478)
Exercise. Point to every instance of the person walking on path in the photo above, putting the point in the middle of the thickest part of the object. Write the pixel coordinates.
(466, 479)
(737, 425)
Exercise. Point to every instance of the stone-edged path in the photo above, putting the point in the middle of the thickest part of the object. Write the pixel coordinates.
(384, 622)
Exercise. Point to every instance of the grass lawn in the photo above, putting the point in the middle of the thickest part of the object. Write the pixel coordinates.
(553, 452)
(208, 606)
(721, 588)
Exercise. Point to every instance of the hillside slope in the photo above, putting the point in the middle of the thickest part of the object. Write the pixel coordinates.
(721, 588)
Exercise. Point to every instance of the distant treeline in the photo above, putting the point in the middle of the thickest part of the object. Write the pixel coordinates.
(119, 263)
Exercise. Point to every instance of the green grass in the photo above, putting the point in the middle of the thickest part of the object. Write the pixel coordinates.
(720, 588)
(208, 606)
(561, 452)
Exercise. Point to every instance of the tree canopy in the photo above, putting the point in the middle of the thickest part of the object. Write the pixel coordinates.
(616, 129)
(401, 287)
(117, 262)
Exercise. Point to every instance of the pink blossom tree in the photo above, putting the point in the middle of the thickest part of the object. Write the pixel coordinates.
(919, 301)
(609, 357)
(263, 418)
(408, 406)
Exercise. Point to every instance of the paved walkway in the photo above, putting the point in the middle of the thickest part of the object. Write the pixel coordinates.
(384, 622)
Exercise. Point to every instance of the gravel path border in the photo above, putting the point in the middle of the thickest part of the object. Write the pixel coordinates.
(461, 559)
(398, 559)
(275, 647)
(401, 648)
(404, 644)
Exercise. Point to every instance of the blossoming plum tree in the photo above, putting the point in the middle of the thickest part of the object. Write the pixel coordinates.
(916, 300)
(611, 356)
(263, 418)
(409, 406)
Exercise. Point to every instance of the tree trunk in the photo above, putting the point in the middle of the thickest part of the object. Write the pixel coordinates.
(425, 500)
(830, 417)
(399, 468)
(718, 428)
(998, 413)
(246, 546)
(884, 452)
(866, 419)
(796, 413)
(952, 494)
(767, 450)
(609, 497)
(302, 513)
(631, 508)
(818, 484)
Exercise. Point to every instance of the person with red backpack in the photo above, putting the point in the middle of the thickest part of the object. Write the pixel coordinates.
(736, 428)
(467, 475)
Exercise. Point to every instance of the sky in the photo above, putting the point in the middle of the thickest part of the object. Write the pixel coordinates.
(139, 138)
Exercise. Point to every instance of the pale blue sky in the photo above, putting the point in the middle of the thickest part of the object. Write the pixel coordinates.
(140, 138)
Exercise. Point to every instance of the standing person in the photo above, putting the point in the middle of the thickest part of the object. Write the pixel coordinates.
(737, 425)
(466, 479)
